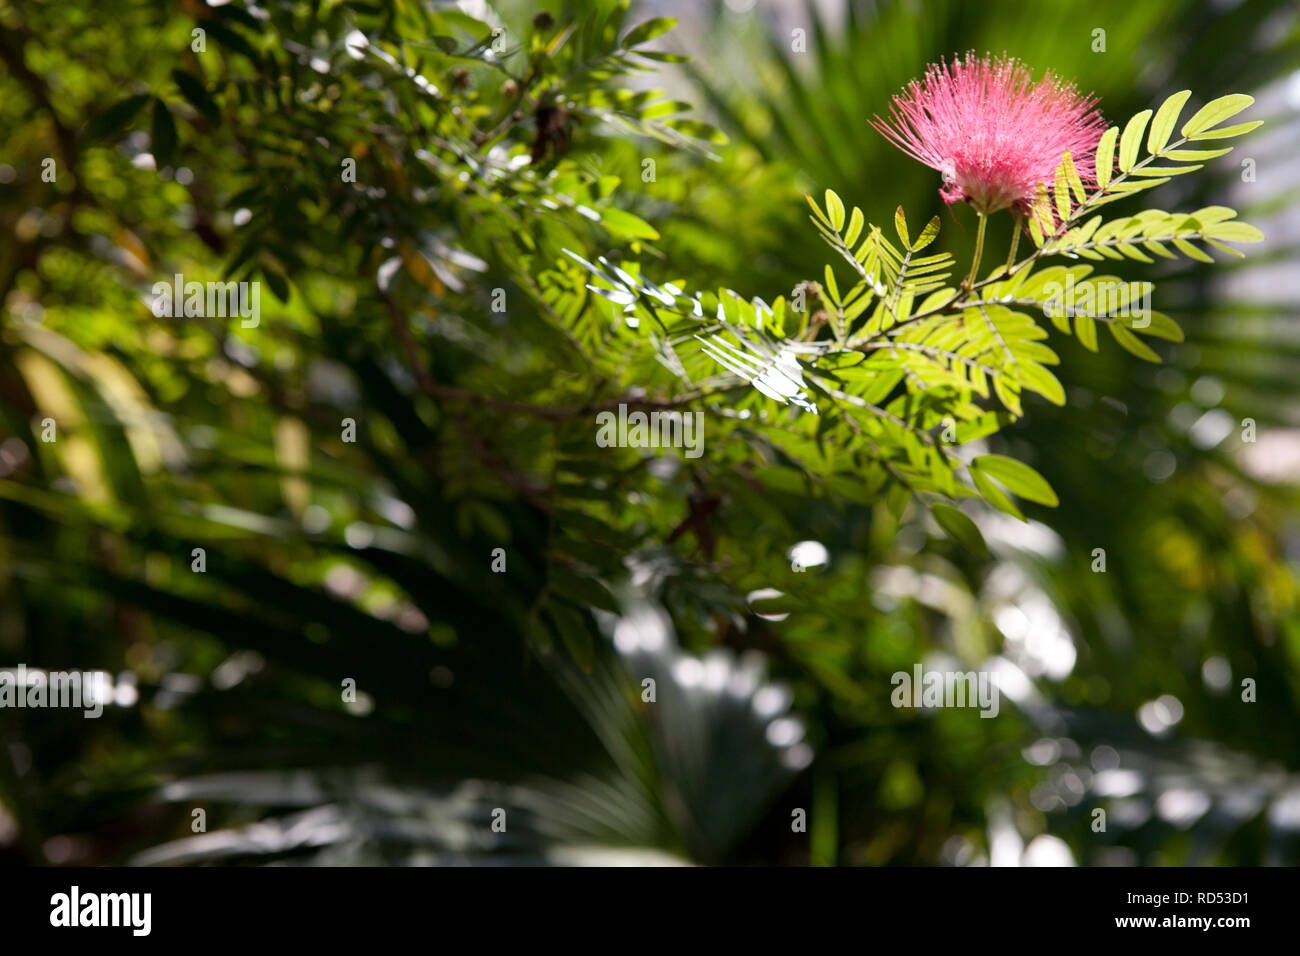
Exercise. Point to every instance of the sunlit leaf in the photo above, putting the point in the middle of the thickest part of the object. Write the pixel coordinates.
(1131, 141)
(1215, 112)
(1018, 477)
(1163, 124)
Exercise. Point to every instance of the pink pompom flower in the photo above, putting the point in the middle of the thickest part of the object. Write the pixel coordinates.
(992, 131)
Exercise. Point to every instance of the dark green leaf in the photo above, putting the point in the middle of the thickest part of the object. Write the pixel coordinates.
(163, 141)
(196, 95)
(961, 529)
(116, 118)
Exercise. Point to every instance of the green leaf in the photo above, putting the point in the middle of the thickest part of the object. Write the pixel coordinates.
(1137, 185)
(1228, 249)
(278, 283)
(645, 32)
(1160, 325)
(1212, 214)
(1165, 170)
(832, 288)
(1072, 177)
(1153, 245)
(1227, 132)
(979, 427)
(1085, 328)
(1008, 393)
(1058, 316)
(900, 224)
(995, 495)
(163, 138)
(1196, 155)
(1131, 343)
(1163, 125)
(927, 235)
(1018, 477)
(1215, 112)
(116, 117)
(196, 95)
(625, 224)
(1132, 140)
(1033, 376)
(583, 589)
(817, 210)
(1234, 231)
(835, 209)
(1106, 156)
(1189, 250)
(1132, 252)
(961, 529)
(1042, 210)
(1035, 230)
(1062, 192)
(855, 227)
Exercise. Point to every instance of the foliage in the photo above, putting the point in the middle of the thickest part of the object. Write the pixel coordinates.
(500, 158)
(1190, 533)
(902, 355)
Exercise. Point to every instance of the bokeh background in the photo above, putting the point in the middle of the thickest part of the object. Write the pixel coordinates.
(328, 561)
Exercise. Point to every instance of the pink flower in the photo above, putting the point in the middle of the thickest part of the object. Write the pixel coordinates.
(993, 132)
